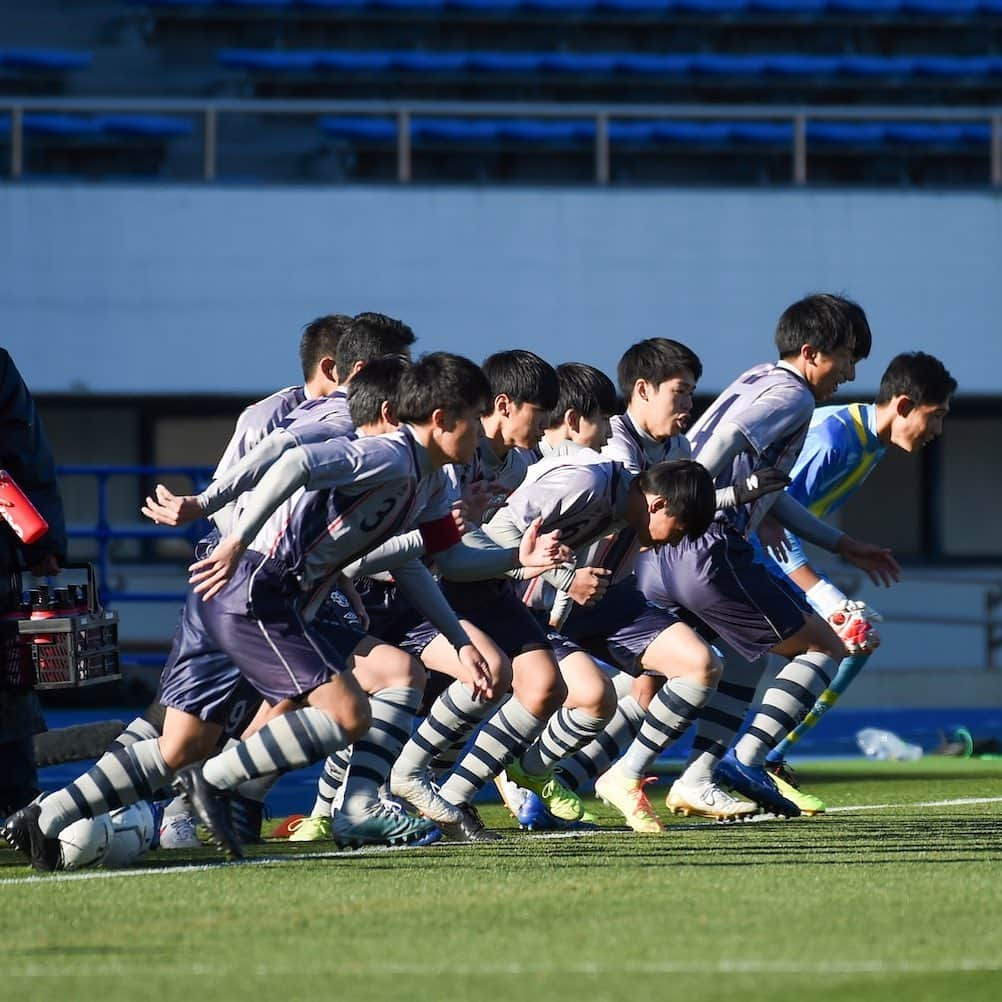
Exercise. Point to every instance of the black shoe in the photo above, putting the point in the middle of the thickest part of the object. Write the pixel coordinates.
(246, 816)
(211, 807)
(470, 828)
(22, 831)
(784, 771)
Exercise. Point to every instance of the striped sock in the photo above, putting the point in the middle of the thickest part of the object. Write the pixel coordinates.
(721, 719)
(292, 741)
(443, 732)
(671, 713)
(567, 732)
(330, 782)
(784, 705)
(848, 669)
(502, 738)
(139, 730)
(596, 756)
(374, 753)
(120, 777)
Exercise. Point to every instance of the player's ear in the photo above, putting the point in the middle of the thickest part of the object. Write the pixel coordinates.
(572, 419)
(388, 413)
(641, 388)
(502, 404)
(439, 420)
(327, 368)
(656, 504)
(904, 406)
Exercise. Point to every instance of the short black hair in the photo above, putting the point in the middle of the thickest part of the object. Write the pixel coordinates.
(587, 389)
(440, 379)
(369, 336)
(657, 360)
(320, 340)
(688, 490)
(920, 377)
(523, 377)
(377, 383)
(827, 323)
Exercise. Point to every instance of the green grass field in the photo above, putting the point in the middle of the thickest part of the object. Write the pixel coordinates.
(895, 893)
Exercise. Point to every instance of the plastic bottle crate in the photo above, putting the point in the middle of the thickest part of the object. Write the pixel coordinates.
(70, 651)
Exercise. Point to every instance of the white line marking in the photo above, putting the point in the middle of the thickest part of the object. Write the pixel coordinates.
(282, 860)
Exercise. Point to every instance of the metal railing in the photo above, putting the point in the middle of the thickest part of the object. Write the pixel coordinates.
(210, 112)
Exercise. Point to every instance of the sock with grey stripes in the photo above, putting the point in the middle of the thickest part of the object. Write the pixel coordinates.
(330, 782)
(596, 756)
(671, 713)
(374, 753)
(501, 739)
(139, 730)
(567, 732)
(120, 777)
(721, 719)
(785, 703)
(443, 732)
(292, 741)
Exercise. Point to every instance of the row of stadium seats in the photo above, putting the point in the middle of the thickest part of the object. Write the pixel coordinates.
(605, 63)
(81, 126)
(43, 59)
(882, 8)
(691, 133)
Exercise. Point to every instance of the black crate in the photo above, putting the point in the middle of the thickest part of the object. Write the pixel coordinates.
(72, 651)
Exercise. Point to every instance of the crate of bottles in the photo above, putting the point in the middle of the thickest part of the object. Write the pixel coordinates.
(64, 639)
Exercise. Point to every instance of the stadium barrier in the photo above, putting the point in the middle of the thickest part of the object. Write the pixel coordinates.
(401, 123)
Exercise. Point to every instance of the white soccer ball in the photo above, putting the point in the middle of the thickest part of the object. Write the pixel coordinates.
(85, 842)
(132, 834)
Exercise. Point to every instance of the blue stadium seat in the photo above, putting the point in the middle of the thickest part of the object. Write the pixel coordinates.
(710, 6)
(864, 6)
(952, 66)
(801, 66)
(940, 8)
(844, 133)
(372, 129)
(429, 62)
(580, 62)
(506, 62)
(925, 133)
(353, 62)
(402, 4)
(158, 126)
(60, 125)
(712, 64)
(699, 133)
(875, 66)
(268, 60)
(44, 59)
(788, 6)
(464, 130)
(637, 6)
(668, 64)
(761, 133)
(631, 132)
(567, 6)
(537, 131)
(493, 6)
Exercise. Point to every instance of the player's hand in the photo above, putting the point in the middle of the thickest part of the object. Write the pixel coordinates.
(542, 550)
(589, 584)
(209, 576)
(877, 561)
(459, 516)
(167, 508)
(759, 484)
(480, 675)
(45, 567)
(481, 496)
(772, 536)
(853, 622)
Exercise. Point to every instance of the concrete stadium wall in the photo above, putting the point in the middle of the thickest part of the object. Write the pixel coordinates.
(132, 289)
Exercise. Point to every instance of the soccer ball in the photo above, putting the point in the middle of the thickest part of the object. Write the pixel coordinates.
(85, 842)
(132, 834)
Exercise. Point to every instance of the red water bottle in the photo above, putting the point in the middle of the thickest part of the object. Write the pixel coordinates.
(20, 514)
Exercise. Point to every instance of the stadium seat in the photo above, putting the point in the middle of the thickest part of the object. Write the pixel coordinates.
(368, 129)
(156, 126)
(44, 59)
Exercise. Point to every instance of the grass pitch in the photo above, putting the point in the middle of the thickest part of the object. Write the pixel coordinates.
(895, 893)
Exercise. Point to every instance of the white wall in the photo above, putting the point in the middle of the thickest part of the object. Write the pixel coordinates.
(205, 289)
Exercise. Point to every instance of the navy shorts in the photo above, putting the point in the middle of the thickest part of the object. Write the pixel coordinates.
(282, 656)
(619, 628)
(715, 584)
(491, 606)
(201, 680)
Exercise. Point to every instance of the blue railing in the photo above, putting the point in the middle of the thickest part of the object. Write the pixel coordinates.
(104, 533)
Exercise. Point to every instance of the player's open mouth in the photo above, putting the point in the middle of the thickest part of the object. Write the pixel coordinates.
(683, 421)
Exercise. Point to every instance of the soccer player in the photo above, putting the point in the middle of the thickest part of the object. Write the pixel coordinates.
(714, 582)
(844, 445)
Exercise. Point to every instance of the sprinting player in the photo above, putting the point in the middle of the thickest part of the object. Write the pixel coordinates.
(657, 377)
(376, 485)
(844, 445)
(761, 421)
